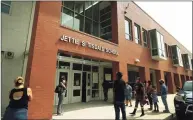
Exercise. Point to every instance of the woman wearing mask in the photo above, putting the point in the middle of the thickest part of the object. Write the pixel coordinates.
(19, 98)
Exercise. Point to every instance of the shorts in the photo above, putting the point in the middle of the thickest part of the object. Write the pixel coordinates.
(128, 97)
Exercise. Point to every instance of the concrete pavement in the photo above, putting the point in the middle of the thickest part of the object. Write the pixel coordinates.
(105, 110)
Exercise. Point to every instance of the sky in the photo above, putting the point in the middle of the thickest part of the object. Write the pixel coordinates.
(175, 17)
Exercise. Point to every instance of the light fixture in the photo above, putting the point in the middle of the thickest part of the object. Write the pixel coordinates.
(137, 60)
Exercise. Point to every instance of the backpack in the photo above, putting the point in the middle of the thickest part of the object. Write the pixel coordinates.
(59, 89)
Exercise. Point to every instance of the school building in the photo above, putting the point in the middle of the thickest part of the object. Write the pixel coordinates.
(87, 42)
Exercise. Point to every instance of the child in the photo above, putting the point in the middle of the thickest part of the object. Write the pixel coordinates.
(155, 99)
(128, 94)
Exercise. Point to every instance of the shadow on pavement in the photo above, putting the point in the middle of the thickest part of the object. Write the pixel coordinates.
(82, 105)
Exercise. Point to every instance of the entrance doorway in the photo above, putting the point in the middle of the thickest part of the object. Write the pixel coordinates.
(86, 86)
(76, 86)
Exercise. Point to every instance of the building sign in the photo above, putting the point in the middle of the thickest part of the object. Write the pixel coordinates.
(87, 44)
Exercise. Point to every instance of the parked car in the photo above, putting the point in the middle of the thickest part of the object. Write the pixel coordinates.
(183, 101)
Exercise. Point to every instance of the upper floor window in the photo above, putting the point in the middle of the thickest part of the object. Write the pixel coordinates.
(145, 38)
(161, 45)
(137, 34)
(169, 52)
(128, 29)
(166, 48)
(5, 6)
(90, 17)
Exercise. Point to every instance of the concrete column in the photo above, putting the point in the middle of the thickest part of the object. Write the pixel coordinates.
(159, 75)
(171, 88)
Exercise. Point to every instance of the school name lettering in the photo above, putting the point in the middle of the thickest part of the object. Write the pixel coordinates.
(88, 44)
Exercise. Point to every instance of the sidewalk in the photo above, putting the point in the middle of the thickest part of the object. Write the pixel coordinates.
(103, 110)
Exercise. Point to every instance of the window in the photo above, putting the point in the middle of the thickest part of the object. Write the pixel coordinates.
(145, 39)
(166, 48)
(137, 34)
(5, 6)
(105, 22)
(179, 56)
(90, 17)
(169, 52)
(161, 46)
(128, 29)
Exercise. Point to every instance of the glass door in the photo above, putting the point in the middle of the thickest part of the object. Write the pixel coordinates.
(95, 86)
(88, 86)
(76, 86)
(62, 74)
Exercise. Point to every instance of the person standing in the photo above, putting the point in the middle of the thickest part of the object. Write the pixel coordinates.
(61, 90)
(139, 88)
(164, 92)
(155, 99)
(119, 96)
(128, 94)
(105, 90)
(149, 92)
(19, 98)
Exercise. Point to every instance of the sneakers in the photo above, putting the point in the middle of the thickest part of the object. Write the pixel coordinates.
(166, 111)
(142, 114)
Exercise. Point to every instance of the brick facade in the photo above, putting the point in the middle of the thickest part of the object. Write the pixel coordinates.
(45, 43)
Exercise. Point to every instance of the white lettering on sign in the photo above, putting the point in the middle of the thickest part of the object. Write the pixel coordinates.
(87, 44)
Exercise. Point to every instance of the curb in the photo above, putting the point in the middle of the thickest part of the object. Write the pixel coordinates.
(170, 117)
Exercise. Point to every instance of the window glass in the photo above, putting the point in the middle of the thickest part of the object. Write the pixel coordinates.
(77, 66)
(144, 32)
(5, 6)
(96, 11)
(137, 34)
(153, 39)
(88, 9)
(88, 26)
(79, 7)
(68, 4)
(6, 2)
(87, 68)
(86, 17)
(126, 27)
(95, 29)
(67, 18)
(78, 22)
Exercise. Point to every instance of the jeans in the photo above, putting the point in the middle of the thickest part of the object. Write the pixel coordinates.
(105, 94)
(118, 106)
(150, 99)
(15, 114)
(60, 101)
(137, 102)
(164, 100)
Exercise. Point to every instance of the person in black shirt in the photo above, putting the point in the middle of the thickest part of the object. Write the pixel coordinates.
(119, 96)
(139, 88)
(105, 90)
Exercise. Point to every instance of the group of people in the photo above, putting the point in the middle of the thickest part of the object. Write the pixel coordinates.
(20, 96)
(123, 94)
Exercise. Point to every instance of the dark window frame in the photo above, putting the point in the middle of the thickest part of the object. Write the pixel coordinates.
(130, 34)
